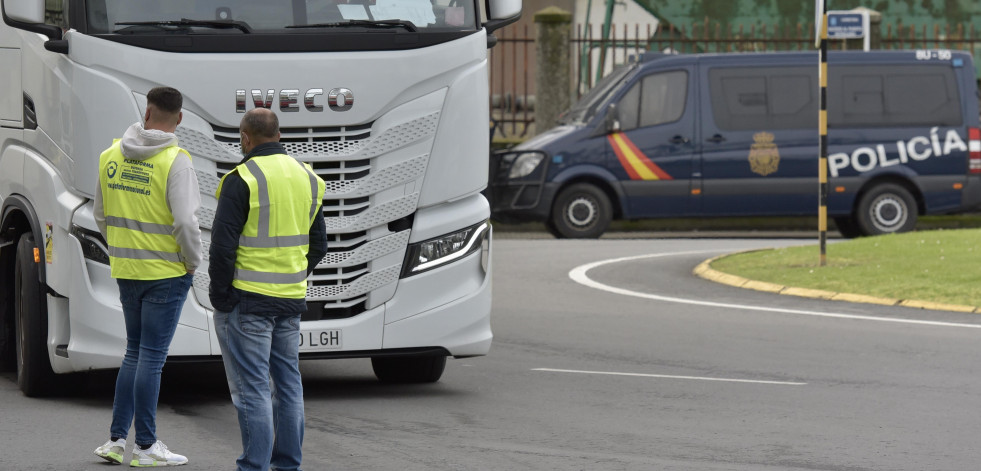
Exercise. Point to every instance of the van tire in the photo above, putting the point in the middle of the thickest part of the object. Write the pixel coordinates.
(34, 374)
(847, 227)
(885, 209)
(409, 369)
(581, 211)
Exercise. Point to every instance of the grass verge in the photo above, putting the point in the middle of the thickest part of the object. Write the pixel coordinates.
(942, 266)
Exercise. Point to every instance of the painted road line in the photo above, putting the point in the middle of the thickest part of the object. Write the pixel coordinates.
(698, 378)
(579, 275)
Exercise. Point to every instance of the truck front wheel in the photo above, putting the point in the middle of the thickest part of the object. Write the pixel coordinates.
(411, 369)
(34, 374)
(581, 211)
(885, 209)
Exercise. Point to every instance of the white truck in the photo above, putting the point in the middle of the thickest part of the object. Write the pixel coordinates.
(386, 99)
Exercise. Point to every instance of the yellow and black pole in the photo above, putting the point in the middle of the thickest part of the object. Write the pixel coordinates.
(823, 125)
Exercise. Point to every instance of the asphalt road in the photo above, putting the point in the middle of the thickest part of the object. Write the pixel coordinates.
(608, 355)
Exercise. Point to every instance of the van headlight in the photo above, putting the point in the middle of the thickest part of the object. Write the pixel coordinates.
(524, 164)
(439, 251)
(94, 247)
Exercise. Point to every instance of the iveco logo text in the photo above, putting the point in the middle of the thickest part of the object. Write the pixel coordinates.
(338, 99)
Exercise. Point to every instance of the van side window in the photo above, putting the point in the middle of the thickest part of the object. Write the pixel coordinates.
(894, 95)
(657, 99)
(763, 97)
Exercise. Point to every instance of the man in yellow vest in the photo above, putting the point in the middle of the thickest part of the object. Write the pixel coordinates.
(144, 207)
(268, 236)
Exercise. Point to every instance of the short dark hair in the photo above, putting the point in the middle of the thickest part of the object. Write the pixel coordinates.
(260, 124)
(166, 99)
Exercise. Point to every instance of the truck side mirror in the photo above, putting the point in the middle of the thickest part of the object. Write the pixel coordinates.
(612, 119)
(24, 11)
(28, 15)
(501, 13)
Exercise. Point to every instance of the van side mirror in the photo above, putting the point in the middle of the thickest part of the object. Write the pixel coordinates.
(501, 13)
(612, 119)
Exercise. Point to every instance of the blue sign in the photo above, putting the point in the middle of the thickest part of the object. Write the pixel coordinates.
(845, 25)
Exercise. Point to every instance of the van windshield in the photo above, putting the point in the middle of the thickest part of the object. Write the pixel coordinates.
(296, 16)
(586, 107)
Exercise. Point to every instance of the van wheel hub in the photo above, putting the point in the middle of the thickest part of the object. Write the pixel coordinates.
(888, 212)
(581, 211)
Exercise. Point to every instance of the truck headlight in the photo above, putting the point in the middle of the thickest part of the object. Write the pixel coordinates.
(94, 247)
(432, 253)
(524, 164)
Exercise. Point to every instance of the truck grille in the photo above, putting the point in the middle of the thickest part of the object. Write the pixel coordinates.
(365, 204)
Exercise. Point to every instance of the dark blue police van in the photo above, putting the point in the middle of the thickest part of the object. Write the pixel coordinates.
(719, 135)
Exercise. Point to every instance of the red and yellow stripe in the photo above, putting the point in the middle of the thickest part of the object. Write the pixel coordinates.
(637, 165)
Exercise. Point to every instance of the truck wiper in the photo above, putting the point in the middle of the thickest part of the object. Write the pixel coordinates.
(369, 23)
(218, 24)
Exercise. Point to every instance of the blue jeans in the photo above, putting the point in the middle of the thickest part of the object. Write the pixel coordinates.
(151, 309)
(262, 362)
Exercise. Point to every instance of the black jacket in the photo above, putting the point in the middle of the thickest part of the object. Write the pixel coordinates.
(230, 218)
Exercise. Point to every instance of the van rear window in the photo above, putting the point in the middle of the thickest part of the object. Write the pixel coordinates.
(751, 98)
(895, 95)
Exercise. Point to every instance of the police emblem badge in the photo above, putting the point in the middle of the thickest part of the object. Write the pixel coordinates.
(764, 157)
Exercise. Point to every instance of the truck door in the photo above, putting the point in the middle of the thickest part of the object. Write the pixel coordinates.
(652, 153)
(759, 140)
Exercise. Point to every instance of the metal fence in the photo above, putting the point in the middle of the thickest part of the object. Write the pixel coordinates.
(512, 62)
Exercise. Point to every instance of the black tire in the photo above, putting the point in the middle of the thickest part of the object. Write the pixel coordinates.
(550, 227)
(885, 209)
(581, 211)
(34, 374)
(413, 369)
(8, 333)
(8, 339)
(847, 227)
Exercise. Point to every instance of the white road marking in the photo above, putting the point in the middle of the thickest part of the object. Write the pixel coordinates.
(578, 275)
(699, 378)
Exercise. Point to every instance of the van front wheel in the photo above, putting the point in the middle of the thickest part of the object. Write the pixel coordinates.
(581, 211)
(886, 209)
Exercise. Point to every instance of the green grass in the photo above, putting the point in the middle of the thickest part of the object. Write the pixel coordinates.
(941, 266)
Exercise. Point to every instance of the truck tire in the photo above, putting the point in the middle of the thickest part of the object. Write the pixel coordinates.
(412, 369)
(34, 374)
(8, 339)
(581, 211)
(885, 209)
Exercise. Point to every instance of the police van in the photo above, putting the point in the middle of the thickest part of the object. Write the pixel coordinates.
(718, 135)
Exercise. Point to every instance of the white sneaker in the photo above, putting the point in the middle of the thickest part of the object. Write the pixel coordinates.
(156, 455)
(112, 451)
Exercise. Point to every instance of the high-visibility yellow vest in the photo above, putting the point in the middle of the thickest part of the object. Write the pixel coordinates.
(139, 224)
(284, 198)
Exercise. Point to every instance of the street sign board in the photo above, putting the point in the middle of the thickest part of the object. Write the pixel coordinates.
(845, 25)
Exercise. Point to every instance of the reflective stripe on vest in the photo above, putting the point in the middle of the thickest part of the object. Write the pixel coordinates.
(271, 256)
(139, 223)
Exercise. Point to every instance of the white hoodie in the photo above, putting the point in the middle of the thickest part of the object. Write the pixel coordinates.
(183, 196)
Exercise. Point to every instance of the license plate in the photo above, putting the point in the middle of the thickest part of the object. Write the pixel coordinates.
(320, 339)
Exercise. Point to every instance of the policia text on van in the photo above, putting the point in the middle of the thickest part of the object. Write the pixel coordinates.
(736, 135)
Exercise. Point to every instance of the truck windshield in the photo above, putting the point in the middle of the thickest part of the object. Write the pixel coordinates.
(258, 16)
(586, 107)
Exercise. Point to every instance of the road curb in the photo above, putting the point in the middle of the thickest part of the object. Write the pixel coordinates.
(704, 270)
